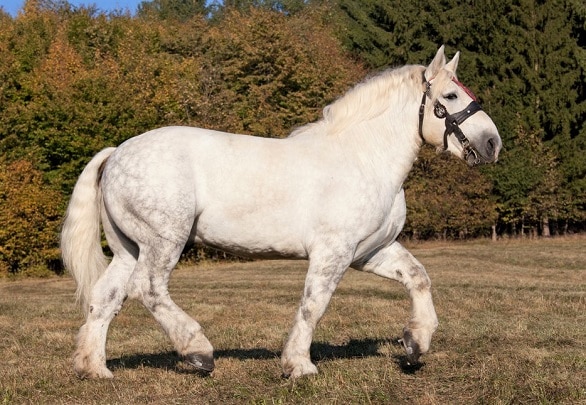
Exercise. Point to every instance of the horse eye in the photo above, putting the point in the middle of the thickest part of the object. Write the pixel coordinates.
(451, 96)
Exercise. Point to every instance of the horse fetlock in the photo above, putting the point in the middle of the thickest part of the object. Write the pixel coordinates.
(195, 343)
(84, 367)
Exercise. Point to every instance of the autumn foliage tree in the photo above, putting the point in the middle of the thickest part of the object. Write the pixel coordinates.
(77, 80)
(447, 199)
(266, 73)
(30, 214)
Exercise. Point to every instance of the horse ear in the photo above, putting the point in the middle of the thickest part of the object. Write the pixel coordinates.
(438, 62)
(453, 64)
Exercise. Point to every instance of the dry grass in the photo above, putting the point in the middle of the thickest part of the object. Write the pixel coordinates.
(512, 330)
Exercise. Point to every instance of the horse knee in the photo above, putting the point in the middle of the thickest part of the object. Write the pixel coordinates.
(417, 279)
(423, 283)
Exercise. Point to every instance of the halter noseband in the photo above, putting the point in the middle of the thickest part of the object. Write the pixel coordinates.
(452, 121)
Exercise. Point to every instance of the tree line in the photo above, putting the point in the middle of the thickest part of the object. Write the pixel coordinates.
(74, 80)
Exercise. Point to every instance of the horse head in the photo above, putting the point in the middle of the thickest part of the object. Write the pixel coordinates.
(450, 117)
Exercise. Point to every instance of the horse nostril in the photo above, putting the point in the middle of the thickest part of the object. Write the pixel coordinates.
(493, 146)
(490, 147)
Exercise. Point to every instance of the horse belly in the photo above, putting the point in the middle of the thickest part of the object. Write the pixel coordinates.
(284, 215)
(254, 230)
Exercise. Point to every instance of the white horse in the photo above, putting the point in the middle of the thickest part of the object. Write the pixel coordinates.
(330, 193)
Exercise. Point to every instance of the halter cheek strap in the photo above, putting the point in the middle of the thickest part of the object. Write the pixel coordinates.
(426, 94)
(452, 121)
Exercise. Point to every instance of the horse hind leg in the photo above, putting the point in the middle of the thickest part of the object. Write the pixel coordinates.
(106, 300)
(149, 284)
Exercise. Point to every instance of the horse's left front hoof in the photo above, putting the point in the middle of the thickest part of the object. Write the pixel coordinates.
(202, 362)
(411, 348)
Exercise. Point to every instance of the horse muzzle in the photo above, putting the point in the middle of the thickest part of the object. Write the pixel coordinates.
(484, 152)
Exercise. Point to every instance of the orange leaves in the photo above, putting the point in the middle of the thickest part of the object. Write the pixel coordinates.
(29, 217)
(275, 71)
(61, 67)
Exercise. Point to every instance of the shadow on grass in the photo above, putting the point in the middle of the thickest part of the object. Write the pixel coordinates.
(320, 351)
(247, 354)
(355, 348)
(165, 360)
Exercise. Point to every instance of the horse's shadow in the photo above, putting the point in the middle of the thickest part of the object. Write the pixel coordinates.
(320, 351)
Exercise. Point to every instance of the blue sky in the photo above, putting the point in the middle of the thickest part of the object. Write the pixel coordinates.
(12, 6)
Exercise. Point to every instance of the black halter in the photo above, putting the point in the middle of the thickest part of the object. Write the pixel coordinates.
(453, 121)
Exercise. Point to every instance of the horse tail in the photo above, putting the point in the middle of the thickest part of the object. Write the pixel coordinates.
(81, 247)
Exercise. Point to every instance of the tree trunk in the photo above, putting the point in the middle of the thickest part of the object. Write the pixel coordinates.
(493, 232)
(545, 225)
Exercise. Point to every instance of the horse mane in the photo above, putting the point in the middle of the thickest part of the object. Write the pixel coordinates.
(366, 100)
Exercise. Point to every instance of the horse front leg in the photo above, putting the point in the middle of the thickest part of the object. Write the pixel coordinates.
(321, 281)
(396, 263)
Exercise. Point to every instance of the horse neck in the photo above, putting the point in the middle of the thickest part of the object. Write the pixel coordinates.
(388, 144)
(375, 125)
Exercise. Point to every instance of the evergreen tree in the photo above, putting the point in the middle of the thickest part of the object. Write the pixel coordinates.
(526, 62)
(541, 92)
(388, 33)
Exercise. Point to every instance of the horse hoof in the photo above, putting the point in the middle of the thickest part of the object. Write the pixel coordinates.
(202, 362)
(299, 370)
(93, 374)
(411, 348)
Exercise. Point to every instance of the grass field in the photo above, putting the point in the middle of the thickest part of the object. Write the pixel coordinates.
(512, 330)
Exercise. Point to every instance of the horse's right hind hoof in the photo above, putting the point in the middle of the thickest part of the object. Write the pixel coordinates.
(201, 362)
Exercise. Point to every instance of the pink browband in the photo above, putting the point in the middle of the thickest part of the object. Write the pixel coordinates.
(466, 89)
(460, 85)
